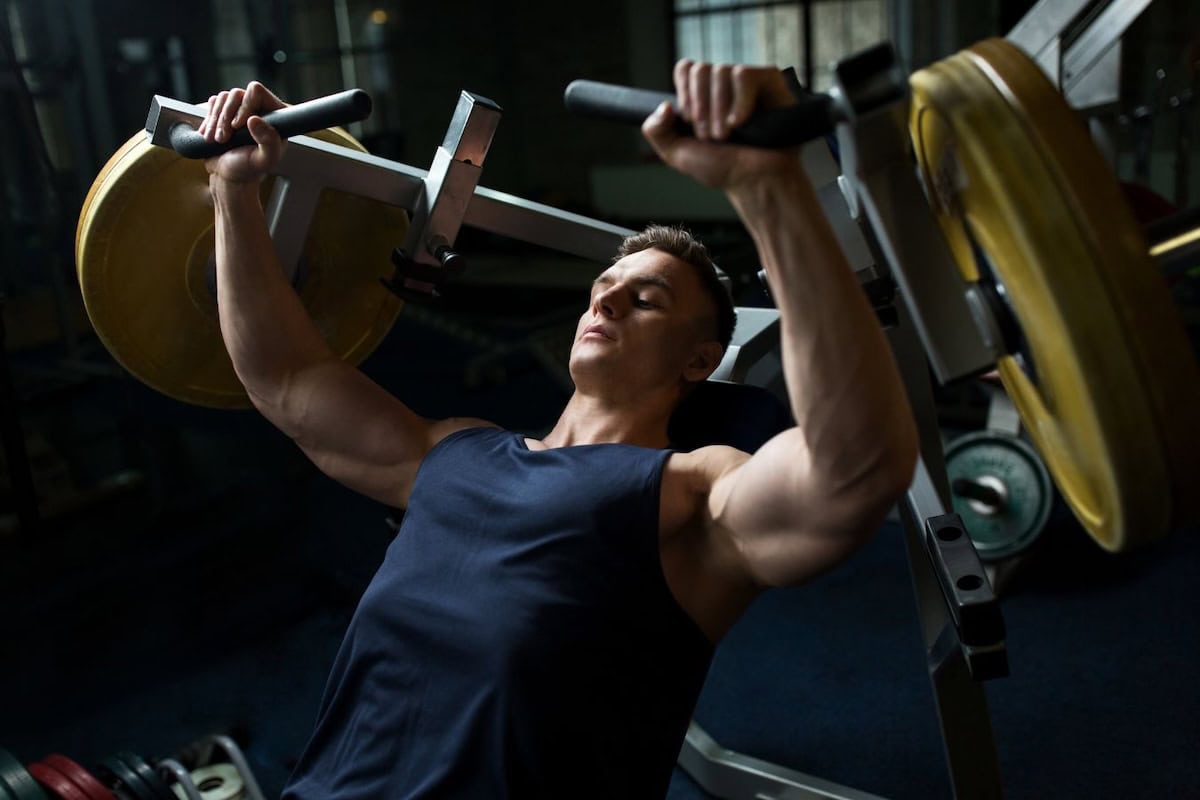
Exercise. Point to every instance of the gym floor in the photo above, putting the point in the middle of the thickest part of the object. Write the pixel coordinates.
(211, 594)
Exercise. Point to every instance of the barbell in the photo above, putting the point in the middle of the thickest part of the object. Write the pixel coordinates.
(1095, 358)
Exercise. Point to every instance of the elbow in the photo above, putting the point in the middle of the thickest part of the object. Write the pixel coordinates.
(278, 400)
(267, 393)
(885, 481)
(899, 461)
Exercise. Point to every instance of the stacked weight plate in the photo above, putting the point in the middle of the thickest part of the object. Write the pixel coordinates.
(144, 257)
(1102, 375)
(66, 779)
(15, 781)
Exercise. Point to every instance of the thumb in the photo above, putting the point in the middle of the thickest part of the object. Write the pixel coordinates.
(659, 127)
(270, 145)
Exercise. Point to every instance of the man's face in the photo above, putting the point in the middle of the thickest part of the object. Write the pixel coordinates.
(648, 324)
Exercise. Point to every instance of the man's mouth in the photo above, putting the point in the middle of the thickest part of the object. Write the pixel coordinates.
(597, 330)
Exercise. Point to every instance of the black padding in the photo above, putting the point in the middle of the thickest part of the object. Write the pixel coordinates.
(733, 414)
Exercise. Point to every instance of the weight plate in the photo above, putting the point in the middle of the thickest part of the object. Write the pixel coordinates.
(80, 776)
(217, 782)
(56, 783)
(124, 780)
(1104, 379)
(1009, 470)
(158, 788)
(143, 249)
(16, 781)
(8, 767)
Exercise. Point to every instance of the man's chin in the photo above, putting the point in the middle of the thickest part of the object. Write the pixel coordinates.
(591, 362)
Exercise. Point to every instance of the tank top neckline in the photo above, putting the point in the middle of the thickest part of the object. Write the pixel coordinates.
(523, 442)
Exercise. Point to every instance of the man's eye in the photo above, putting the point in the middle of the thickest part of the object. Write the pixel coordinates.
(642, 302)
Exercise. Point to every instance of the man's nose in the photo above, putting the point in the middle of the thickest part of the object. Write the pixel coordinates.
(608, 302)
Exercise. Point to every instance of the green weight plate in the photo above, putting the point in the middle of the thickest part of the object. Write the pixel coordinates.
(16, 782)
(1001, 490)
(6, 793)
(123, 780)
(153, 782)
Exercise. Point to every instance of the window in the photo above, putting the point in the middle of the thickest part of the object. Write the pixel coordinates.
(310, 48)
(809, 35)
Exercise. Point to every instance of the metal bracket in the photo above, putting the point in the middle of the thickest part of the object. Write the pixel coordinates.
(969, 597)
(874, 146)
(447, 190)
(330, 166)
(1077, 43)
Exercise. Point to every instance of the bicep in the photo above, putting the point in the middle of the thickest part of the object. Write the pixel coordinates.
(789, 521)
(357, 432)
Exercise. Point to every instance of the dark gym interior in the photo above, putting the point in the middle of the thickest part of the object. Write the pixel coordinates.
(169, 571)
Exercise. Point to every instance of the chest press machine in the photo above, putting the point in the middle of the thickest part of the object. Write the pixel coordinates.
(1062, 301)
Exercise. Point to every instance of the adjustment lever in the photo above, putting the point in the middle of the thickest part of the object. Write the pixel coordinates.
(415, 281)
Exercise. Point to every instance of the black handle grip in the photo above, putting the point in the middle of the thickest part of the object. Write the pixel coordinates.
(351, 105)
(811, 117)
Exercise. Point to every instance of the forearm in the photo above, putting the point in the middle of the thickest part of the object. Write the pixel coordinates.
(266, 329)
(846, 395)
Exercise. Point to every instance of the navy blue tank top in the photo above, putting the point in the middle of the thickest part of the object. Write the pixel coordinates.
(519, 639)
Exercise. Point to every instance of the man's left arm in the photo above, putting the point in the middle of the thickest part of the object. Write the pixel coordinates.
(813, 494)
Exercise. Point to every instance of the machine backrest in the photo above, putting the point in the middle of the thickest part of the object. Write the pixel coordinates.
(734, 414)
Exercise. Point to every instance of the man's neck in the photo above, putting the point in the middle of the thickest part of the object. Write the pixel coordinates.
(595, 420)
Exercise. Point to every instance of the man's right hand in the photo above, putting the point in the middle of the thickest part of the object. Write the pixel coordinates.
(716, 99)
(230, 110)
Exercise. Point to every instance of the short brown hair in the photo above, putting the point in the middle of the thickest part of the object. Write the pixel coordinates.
(680, 243)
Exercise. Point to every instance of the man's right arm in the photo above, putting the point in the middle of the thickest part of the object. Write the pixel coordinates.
(351, 428)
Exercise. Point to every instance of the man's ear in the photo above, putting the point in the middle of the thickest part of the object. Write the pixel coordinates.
(704, 362)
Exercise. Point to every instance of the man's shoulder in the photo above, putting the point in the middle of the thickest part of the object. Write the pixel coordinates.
(688, 480)
(702, 564)
(442, 428)
(697, 470)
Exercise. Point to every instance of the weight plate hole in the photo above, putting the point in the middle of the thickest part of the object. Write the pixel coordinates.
(969, 583)
(949, 534)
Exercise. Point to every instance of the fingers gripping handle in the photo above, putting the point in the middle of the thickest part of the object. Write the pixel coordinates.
(351, 105)
(812, 116)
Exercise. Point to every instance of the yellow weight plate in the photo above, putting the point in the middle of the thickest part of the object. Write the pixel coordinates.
(143, 248)
(1106, 383)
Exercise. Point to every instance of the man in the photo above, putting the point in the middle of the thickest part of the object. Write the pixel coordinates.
(542, 624)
